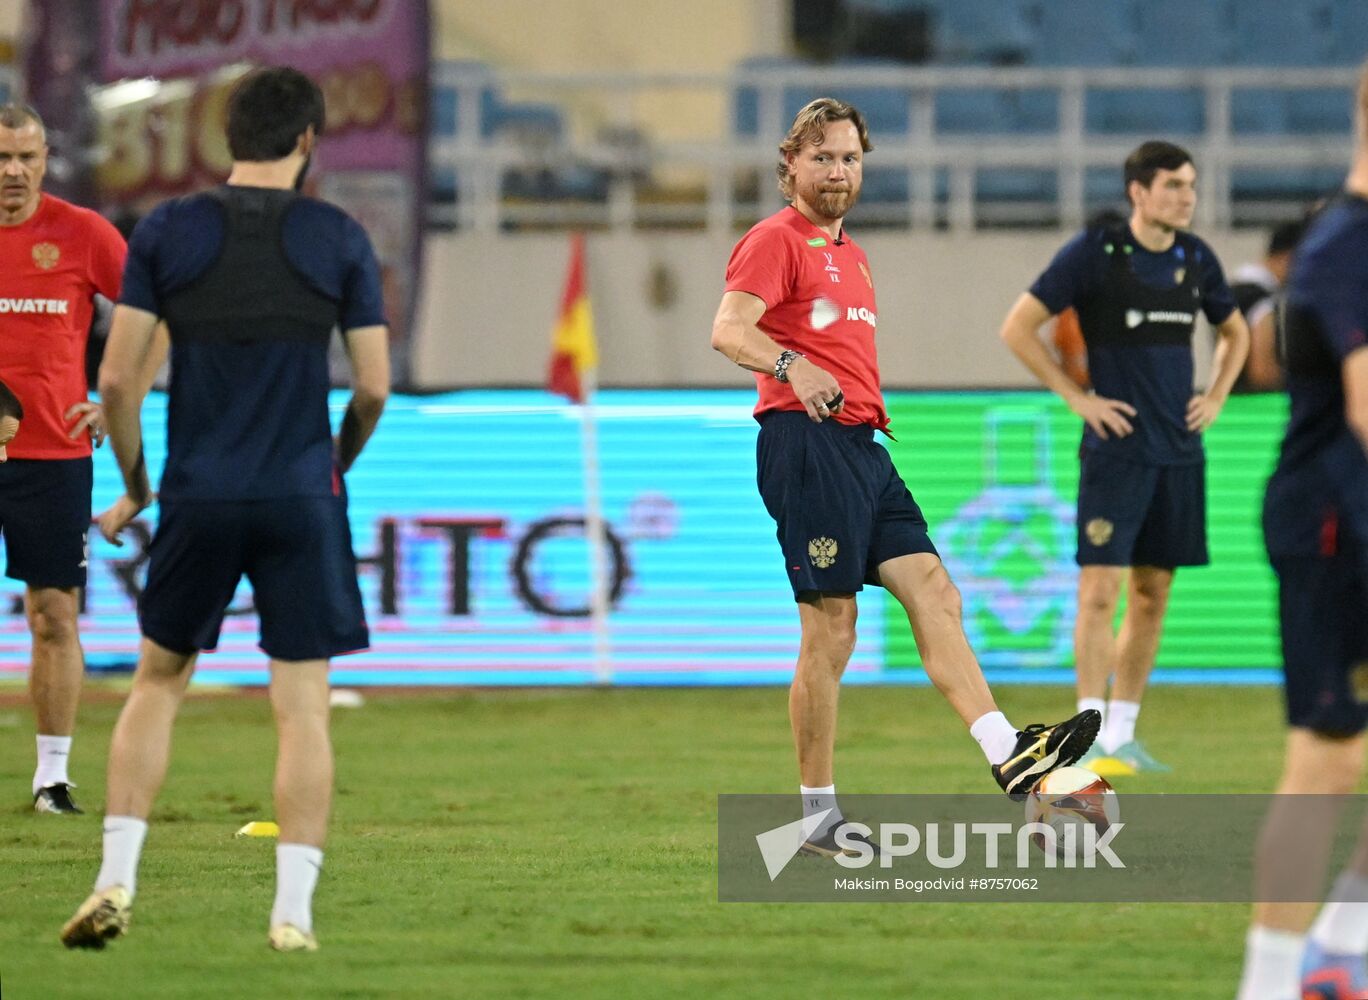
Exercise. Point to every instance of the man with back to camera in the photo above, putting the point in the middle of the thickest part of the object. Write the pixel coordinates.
(799, 311)
(251, 279)
(1141, 489)
(1315, 522)
(55, 258)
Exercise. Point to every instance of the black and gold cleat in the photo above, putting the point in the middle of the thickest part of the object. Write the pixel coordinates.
(1041, 748)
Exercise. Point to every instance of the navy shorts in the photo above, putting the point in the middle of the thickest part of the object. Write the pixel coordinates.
(45, 520)
(295, 551)
(840, 506)
(1323, 608)
(1141, 515)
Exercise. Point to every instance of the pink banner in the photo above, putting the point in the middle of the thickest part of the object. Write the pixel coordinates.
(164, 72)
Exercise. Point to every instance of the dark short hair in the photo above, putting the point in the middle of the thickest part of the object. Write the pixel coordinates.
(9, 404)
(1285, 237)
(1149, 158)
(269, 110)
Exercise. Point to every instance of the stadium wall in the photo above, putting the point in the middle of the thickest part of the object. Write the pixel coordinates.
(488, 304)
(465, 511)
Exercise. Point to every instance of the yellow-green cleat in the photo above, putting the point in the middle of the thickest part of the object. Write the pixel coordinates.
(102, 917)
(1104, 765)
(1138, 759)
(288, 937)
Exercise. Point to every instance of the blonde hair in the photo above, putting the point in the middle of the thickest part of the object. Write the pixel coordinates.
(809, 128)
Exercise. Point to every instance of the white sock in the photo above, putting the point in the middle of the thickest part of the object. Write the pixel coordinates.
(1098, 705)
(53, 752)
(297, 868)
(995, 735)
(1120, 724)
(123, 842)
(817, 800)
(1342, 927)
(1272, 969)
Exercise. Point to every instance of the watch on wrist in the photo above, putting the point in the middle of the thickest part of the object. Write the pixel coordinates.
(781, 366)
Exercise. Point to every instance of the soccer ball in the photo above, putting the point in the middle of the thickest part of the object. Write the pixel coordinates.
(1071, 797)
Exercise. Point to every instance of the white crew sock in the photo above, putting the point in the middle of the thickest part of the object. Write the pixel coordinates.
(297, 868)
(816, 800)
(1098, 705)
(1342, 927)
(53, 752)
(1120, 725)
(995, 735)
(123, 842)
(1272, 968)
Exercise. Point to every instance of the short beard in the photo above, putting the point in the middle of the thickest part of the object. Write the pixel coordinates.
(832, 204)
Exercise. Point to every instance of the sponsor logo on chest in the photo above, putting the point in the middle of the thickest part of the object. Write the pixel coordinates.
(51, 307)
(1134, 317)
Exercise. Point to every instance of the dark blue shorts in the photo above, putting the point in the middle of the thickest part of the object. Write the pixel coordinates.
(44, 520)
(1323, 608)
(840, 506)
(1141, 515)
(295, 551)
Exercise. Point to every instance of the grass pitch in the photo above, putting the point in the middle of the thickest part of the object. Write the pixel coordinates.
(563, 844)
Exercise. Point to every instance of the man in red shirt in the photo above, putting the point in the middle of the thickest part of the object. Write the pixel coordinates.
(799, 311)
(54, 259)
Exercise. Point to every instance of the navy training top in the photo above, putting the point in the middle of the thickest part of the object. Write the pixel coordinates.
(1319, 489)
(1152, 373)
(248, 412)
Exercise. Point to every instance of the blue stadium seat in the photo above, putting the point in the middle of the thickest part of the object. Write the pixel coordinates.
(1104, 186)
(1285, 183)
(979, 31)
(974, 112)
(1009, 184)
(1348, 33)
(882, 185)
(1182, 33)
(1324, 112)
(746, 99)
(1278, 33)
(1084, 33)
(1258, 111)
(1154, 112)
(537, 122)
(445, 101)
(886, 109)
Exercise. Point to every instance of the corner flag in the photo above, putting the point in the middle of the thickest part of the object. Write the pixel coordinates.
(574, 354)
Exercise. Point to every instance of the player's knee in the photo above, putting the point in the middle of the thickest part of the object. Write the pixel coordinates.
(1149, 598)
(831, 642)
(52, 623)
(1098, 597)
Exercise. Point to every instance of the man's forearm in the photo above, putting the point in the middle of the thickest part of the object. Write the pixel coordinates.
(125, 435)
(358, 423)
(1227, 360)
(747, 346)
(1026, 345)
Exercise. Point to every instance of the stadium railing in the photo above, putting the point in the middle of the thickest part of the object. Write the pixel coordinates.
(948, 166)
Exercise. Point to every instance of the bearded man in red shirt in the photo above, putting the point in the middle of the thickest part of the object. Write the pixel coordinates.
(799, 311)
(55, 258)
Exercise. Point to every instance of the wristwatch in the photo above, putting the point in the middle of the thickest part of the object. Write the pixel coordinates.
(781, 366)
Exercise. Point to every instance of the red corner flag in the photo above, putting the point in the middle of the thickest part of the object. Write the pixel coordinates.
(573, 350)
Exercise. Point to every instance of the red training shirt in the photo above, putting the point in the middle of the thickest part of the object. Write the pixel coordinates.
(51, 267)
(819, 301)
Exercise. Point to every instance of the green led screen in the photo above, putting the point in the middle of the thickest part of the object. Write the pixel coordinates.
(997, 476)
